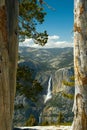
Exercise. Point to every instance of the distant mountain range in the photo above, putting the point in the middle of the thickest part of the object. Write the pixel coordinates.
(47, 59)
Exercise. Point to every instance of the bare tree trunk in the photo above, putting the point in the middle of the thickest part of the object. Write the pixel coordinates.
(80, 65)
(12, 9)
(8, 61)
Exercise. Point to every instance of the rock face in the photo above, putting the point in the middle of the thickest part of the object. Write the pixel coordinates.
(61, 75)
(50, 110)
(44, 69)
(59, 102)
(23, 109)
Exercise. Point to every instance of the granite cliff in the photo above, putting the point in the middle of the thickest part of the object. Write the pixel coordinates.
(62, 98)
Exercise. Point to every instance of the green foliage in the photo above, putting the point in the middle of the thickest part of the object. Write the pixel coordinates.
(24, 73)
(20, 106)
(70, 96)
(60, 118)
(45, 123)
(66, 124)
(70, 84)
(26, 84)
(31, 121)
(32, 91)
(31, 12)
(72, 78)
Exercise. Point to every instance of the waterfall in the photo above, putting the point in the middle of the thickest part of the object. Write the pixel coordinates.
(49, 93)
(40, 118)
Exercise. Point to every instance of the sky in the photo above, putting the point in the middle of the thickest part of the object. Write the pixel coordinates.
(58, 23)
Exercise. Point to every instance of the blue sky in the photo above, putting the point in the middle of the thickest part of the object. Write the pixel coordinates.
(58, 22)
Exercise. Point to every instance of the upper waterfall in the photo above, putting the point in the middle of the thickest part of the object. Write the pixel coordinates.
(49, 91)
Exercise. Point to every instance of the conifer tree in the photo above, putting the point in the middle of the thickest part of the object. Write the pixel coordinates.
(9, 14)
(31, 13)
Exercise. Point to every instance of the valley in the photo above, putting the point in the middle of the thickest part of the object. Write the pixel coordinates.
(49, 67)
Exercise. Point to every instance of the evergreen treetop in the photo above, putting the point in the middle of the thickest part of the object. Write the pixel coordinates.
(31, 12)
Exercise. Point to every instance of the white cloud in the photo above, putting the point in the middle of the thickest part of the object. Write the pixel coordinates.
(53, 42)
(54, 37)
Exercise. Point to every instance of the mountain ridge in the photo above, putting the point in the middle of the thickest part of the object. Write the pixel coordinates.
(52, 58)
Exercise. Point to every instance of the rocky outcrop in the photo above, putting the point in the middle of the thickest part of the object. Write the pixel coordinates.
(61, 75)
(62, 96)
(23, 109)
(57, 104)
(48, 111)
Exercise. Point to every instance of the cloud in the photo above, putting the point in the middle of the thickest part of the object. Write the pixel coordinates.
(54, 37)
(53, 42)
